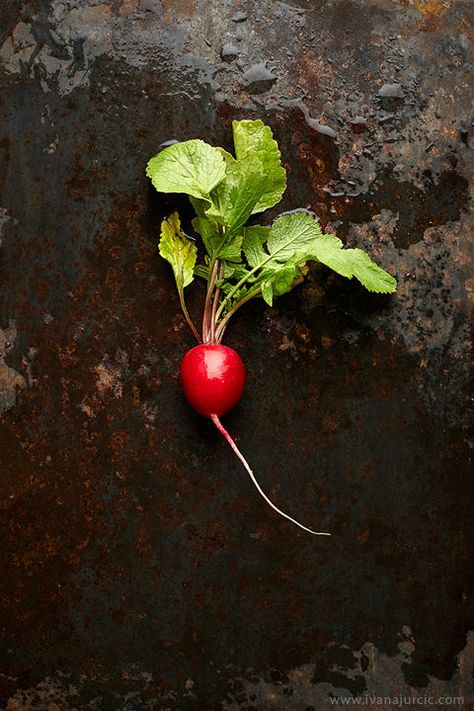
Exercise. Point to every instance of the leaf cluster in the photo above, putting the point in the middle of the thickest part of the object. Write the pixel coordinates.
(242, 261)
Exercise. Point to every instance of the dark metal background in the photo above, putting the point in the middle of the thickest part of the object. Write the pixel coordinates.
(140, 569)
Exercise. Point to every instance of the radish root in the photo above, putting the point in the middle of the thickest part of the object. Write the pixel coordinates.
(239, 454)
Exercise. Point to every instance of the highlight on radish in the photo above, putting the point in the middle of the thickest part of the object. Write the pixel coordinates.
(241, 262)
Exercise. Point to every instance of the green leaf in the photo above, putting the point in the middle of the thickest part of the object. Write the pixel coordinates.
(292, 234)
(180, 252)
(280, 281)
(234, 199)
(254, 239)
(240, 294)
(278, 257)
(232, 202)
(231, 248)
(209, 234)
(253, 138)
(287, 241)
(200, 206)
(370, 275)
(192, 167)
(231, 270)
(218, 247)
(201, 270)
(267, 292)
(284, 280)
(328, 250)
(240, 271)
(299, 235)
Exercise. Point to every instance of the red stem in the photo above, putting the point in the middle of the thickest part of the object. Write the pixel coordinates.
(188, 317)
(207, 305)
(215, 303)
(232, 444)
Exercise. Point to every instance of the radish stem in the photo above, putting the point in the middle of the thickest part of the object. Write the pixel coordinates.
(207, 306)
(232, 444)
(215, 302)
(223, 324)
(240, 283)
(188, 317)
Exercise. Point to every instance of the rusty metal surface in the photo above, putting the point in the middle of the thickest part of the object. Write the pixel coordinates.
(139, 569)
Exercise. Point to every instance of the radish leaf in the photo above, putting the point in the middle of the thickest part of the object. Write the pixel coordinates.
(291, 242)
(368, 273)
(235, 198)
(226, 246)
(178, 250)
(253, 138)
(254, 239)
(192, 167)
(201, 270)
(328, 250)
(267, 292)
(292, 234)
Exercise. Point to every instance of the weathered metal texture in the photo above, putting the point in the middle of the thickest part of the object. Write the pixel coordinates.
(140, 570)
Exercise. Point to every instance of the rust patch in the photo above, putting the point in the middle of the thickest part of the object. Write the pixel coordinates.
(431, 12)
(10, 380)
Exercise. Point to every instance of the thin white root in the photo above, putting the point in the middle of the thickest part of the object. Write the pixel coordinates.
(231, 442)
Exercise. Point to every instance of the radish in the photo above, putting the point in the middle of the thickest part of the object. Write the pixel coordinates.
(241, 262)
(213, 379)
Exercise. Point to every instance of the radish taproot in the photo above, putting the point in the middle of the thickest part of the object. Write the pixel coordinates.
(213, 380)
(241, 262)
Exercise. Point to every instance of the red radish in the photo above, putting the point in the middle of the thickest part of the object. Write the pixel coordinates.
(241, 261)
(213, 379)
